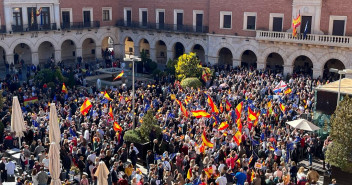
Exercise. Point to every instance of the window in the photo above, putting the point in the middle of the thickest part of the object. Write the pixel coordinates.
(17, 17)
(87, 17)
(178, 19)
(225, 20)
(160, 18)
(198, 20)
(107, 15)
(337, 25)
(128, 16)
(276, 22)
(143, 16)
(249, 22)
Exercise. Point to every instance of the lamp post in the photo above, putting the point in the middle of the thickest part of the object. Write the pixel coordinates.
(340, 72)
(133, 59)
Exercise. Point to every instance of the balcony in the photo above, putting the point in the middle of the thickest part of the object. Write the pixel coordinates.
(80, 25)
(2, 29)
(33, 27)
(163, 27)
(312, 39)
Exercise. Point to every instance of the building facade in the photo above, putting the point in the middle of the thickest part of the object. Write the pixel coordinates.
(254, 33)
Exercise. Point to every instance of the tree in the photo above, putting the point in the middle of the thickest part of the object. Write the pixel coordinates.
(188, 65)
(339, 152)
(149, 122)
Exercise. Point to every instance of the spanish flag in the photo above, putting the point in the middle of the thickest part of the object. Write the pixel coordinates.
(239, 125)
(252, 176)
(208, 171)
(183, 109)
(282, 108)
(188, 99)
(288, 91)
(223, 125)
(250, 159)
(206, 141)
(238, 110)
(189, 174)
(212, 105)
(269, 104)
(238, 162)
(251, 115)
(106, 96)
(200, 114)
(119, 76)
(111, 113)
(64, 89)
(202, 148)
(117, 127)
(85, 107)
(221, 107)
(227, 105)
(238, 138)
(271, 148)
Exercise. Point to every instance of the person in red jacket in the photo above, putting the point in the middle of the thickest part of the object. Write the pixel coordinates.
(123, 181)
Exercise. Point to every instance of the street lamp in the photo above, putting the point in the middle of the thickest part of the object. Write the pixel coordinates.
(133, 59)
(340, 72)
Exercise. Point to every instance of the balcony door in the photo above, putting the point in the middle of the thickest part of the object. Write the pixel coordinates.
(128, 17)
(306, 21)
(32, 18)
(179, 21)
(338, 28)
(65, 19)
(86, 18)
(199, 22)
(144, 18)
(277, 24)
(161, 20)
(45, 18)
(17, 24)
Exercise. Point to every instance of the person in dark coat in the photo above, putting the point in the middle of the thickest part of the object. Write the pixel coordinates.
(149, 159)
(114, 176)
(3, 170)
(133, 157)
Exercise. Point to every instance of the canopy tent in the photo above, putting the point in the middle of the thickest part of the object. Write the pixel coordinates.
(303, 125)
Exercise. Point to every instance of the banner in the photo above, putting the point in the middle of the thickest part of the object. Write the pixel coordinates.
(30, 101)
(258, 165)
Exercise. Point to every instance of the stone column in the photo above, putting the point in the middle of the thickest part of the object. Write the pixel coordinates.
(25, 16)
(170, 55)
(288, 69)
(236, 62)
(8, 19)
(79, 52)
(35, 58)
(98, 52)
(212, 60)
(260, 65)
(152, 54)
(57, 56)
(9, 58)
(136, 51)
(57, 15)
(317, 73)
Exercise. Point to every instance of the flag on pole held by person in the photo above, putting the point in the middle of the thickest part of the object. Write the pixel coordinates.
(183, 109)
(212, 105)
(282, 108)
(200, 114)
(238, 138)
(117, 127)
(106, 96)
(64, 89)
(111, 114)
(238, 110)
(227, 105)
(223, 125)
(206, 141)
(85, 107)
(119, 75)
(251, 114)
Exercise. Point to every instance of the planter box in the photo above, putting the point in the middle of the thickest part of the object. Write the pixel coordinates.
(142, 148)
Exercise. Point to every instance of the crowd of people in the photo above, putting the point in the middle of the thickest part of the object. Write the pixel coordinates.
(267, 152)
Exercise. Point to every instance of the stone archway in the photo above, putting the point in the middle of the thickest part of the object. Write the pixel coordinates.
(332, 63)
(46, 51)
(249, 59)
(275, 62)
(200, 52)
(179, 50)
(22, 52)
(225, 57)
(303, 65)
(88, 50)
(129, 46)
(161, 52)
(2, 56)
(144, 46)
(68, 51)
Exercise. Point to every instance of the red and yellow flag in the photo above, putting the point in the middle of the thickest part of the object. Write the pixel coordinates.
(189, 174)
(238, 138)
(183, 109)
(119, 76)
(85, 107)
(271, 148)
(227, 105)
(106, 96)
(238, 110)
(239, 125)
(200, 114)
(221, 108)
(188, 99)
(202, 148)
(206, 141)
(212, 105)
(282, 108)
(117, 127)
(223, 125)
(288, 91)
(208, 171)
(251, 115)
(252, 176)
(111, 114)
(64, 89)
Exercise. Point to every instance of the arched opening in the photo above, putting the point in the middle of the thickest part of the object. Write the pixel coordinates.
(161, 52)
(144, 47)
(303, 65)
(249, 59)
(129, 47)
(46, 51)
(225, 57)
(22, 54)
(332, 63)
(88, 50)
(199, 50)
(68, 51)
(107, 46)
(179, 50)
(2, 56)
(275, 62)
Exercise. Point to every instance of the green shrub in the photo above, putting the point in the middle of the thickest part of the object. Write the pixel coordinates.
(191, 82)
(170, 66)
(156, 72)
(132, 136)
(49, 75)
(188, 65)
(149, 122)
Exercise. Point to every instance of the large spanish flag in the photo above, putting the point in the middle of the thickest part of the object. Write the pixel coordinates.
(183, 109)
(223, 125)
(117, 127)
(227, 105)
(282, 108)
(119, 76)
(206, 141)
(111, 114)
(85, 107)
(106, 96)
(200, 114)
(238, 110)
(296, 22)
(212, 105)
(251, 115)
(64, 89)
(238, 138)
